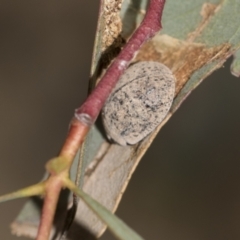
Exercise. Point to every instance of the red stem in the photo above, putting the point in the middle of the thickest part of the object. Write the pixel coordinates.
(53, 188)
(147, 29)
(74, 139)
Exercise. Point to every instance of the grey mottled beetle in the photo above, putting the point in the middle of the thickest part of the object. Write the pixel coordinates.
(139, 102)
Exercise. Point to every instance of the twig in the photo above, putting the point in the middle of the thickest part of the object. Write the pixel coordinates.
(148, 28)
(53, 188)
(86, 115)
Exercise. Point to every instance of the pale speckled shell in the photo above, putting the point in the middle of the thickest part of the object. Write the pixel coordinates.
(139, 102)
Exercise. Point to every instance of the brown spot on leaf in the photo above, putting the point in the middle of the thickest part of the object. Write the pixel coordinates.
(182, 57)
(113, 23)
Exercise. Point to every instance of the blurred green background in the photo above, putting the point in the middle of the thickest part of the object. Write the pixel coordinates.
(186, 186)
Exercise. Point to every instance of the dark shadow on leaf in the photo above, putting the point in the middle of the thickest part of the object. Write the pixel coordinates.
(61, 212)
(106, 57)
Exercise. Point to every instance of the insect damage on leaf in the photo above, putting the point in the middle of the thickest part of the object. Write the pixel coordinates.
(207, 11)
(139, 102)
(182, 57)
(113, 22)
(109, 37)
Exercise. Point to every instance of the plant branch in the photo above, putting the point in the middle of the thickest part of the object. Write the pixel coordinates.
(86, 115)
(53, 188)
(148, 28)
(77, 132)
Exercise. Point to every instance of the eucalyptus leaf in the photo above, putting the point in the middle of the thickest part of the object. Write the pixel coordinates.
(117, 226)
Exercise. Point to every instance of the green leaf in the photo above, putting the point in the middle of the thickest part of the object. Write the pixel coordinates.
(116, 225)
